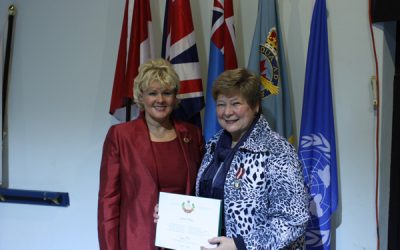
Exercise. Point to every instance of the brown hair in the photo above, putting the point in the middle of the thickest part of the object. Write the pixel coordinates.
(239, 80)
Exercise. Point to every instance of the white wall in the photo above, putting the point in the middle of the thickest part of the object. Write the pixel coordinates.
(60, 86)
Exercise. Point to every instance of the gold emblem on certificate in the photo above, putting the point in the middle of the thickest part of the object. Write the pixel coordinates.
(188, 206)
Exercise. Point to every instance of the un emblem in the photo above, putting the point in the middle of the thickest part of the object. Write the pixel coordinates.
(315, 156)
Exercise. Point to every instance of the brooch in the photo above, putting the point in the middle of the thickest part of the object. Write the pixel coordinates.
(238, 177)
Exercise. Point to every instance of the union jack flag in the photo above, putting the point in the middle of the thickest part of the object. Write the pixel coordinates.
(179, 47)
(222, 57)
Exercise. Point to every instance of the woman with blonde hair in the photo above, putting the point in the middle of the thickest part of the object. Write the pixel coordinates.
(143, 157)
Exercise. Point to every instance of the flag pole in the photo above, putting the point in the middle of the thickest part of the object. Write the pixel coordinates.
(11, 14)
(6, 69)
(7, 195)
(128, 104)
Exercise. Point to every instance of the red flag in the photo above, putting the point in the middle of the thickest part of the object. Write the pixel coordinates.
(135, 47)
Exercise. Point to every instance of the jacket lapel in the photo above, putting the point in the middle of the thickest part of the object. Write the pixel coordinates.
(185, 139)
(144, 145)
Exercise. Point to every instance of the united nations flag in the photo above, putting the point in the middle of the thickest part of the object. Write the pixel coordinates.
(317, 147)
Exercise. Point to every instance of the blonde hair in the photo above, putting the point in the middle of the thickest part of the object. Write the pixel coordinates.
(239, 80)
(155, 70)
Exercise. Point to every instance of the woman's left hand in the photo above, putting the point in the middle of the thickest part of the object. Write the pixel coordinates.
(155, 214)
(224, 243)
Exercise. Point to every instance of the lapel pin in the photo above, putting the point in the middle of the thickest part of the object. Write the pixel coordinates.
(238, 177)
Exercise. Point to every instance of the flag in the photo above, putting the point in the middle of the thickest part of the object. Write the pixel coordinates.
(317, 147)
(222, 57)
(179, 47)
(135, 48)
(268, 61)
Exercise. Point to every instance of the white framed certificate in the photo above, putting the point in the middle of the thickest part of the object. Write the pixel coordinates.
(187, 222)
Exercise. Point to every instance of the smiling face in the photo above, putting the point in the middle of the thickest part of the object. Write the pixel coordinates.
(158, 102)
(234, 114)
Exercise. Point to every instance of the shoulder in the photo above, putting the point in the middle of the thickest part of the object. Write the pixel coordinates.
(127, 128)
(188, 129)
(212, 142)
(263, 139)
(183, 126)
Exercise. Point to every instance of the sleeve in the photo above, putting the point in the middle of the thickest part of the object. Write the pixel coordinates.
(239, 243)
(109, 194)
(283, 218)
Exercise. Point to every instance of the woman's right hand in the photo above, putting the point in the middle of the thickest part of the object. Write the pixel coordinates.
(223, 243)
(155, 214)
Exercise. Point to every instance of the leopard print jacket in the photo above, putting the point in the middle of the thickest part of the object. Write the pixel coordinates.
(269, 207)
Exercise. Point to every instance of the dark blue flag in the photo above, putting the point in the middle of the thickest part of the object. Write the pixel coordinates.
(317, 148)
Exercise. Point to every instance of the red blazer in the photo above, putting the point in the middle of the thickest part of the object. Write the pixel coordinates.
(128, 183)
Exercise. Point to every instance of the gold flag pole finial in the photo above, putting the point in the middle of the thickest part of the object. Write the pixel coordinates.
(11, 10)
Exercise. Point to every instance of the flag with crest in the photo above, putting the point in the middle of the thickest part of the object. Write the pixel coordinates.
(267, 59)
(222, 57)
(179, 47)
(317, 147)
(135, 48)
